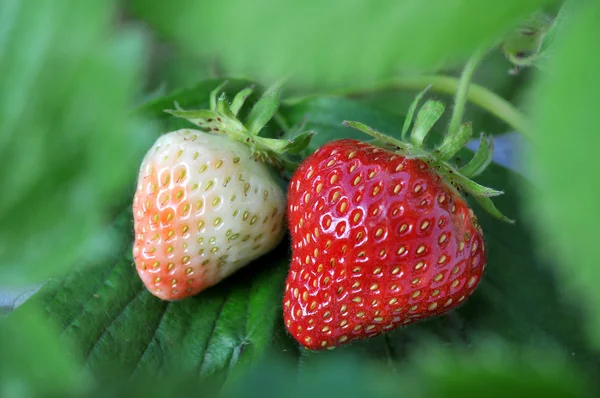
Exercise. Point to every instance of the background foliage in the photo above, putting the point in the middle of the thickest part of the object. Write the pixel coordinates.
(83, 86)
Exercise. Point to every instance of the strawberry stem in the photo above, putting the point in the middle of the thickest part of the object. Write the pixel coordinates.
(460, 98)
(476, 94)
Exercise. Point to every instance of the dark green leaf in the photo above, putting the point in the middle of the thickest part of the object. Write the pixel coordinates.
(118, 328)
(326, 114)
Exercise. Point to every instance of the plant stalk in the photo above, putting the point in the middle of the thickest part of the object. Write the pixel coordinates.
(460, 99)
(476, 94)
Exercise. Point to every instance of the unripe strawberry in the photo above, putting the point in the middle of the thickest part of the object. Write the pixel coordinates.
(203, 209)
(208, 203)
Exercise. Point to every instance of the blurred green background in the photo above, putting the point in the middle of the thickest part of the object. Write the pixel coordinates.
(82, 89)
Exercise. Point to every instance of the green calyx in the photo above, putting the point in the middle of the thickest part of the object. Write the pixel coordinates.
(222, 118)
(459, 179)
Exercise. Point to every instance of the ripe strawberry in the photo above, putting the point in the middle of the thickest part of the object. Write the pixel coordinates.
(205, 206)
(380, 239)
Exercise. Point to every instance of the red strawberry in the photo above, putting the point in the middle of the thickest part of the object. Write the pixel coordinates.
(380, 239)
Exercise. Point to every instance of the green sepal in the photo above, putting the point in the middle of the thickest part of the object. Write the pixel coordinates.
(427, 117)
(482, 158)
(223, 107)
(203, 114)
(466, 184)
(490, 207)
(383, 138)
(454, 143)
(214, 94)
(263, 110)
(411, 112)
(299, 143)
(240, 99)
(455, 179)
(222, 119)
(292, 146)
(210, 121)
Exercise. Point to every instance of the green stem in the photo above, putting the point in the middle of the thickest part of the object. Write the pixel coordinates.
(476, 94)
(460, 99)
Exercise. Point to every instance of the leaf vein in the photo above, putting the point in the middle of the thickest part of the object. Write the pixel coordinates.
(212, 331)
(115, 319)
(153, 339)
(84, 305)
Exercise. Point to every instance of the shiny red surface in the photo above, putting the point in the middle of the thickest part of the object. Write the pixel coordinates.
(379, 241)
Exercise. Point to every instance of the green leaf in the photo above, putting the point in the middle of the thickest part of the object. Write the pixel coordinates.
(32, 363)
(368, 40)
(493, 369)
(565, 208)
(118, 328)
(326, 114)
(68, 147)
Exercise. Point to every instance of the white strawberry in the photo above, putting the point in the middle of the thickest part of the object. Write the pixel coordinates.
(205, 207)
